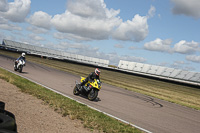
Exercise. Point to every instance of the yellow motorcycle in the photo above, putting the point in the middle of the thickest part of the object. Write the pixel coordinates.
(90, 89)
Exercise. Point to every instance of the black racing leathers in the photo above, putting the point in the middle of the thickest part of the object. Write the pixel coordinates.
(90, 77)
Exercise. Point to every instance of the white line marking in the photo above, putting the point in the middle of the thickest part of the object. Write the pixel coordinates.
(79, 101)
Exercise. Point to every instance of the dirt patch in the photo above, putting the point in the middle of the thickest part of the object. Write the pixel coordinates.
(32, 116)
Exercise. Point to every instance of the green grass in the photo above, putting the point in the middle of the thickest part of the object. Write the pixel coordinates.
(91, 119)
(179, 94)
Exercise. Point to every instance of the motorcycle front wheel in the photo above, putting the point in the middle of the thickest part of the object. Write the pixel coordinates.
(93, 94)
(20, 68)
(75, 91)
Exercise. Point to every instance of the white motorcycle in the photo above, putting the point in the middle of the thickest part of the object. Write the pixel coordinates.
(19, 65)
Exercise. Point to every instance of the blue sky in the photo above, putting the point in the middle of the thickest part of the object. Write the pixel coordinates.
(158, 32)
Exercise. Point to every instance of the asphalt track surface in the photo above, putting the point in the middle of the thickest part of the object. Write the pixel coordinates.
(149, 113)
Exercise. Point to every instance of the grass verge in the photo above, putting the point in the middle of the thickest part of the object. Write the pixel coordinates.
(175, 93)
(91, 119)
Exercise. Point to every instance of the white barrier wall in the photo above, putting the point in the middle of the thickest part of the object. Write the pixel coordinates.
(159, 71)
(42, 51)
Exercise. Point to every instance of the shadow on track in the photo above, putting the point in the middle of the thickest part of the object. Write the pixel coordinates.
(96, 100)
(24, 72)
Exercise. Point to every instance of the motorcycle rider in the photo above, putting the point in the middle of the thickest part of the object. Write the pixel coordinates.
(91, 77)
(22, 57)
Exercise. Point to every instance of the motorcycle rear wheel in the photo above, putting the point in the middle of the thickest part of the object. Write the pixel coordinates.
(93, 94)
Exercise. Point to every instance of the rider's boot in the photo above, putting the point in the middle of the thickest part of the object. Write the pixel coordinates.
(15, 65)
(79, 87)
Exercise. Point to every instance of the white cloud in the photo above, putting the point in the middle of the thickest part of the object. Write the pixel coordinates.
(3, 5)
(40, 19)
(187, 7)
(134, 30)
(4, 24)
(151, 12)
(8, 37)
(193, 58)
(37, 30)
(181, 47)
(73, 37)
(3, 21)
(36, 37)
(92, 20)
(184, 47)
(95, 22)
(85, 27)
(10, 27)
(90, 8)
(159, 45)
(16, 11)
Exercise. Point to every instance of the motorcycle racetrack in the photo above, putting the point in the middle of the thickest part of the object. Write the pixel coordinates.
(148, 113)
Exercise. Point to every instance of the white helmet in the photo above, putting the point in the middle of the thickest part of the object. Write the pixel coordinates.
(97, 71)
(23, 54)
